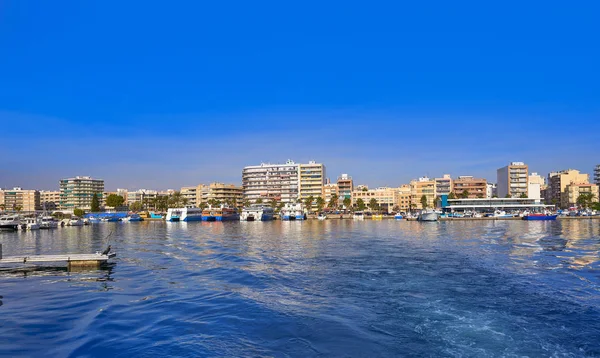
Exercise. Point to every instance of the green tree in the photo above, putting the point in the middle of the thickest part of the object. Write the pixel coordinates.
(203, 205)
(507, 196)
(480, 196)
(320, 203)
(452, 195)
(523, 196)
(274, 202)
(114, 200)
(347, 202)
(78, 212)
(435, 201)
(360, 204)
(18, 208)
(136, 206)
(585, 200)
(308, 203)
(365, 189)
(333, 202)
(494, 196)
(424, 201)
(464, 194)
(259, 201)
(214, 202)
(373, 204)
(245, 203)
(596, 206)
(95, 206)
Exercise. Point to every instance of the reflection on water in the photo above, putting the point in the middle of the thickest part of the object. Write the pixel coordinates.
(307, 288)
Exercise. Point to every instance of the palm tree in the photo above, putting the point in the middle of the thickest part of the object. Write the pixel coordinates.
(347, 202)
(333, 202)
(452, 195)
(373, 204)
(465, 194)
(585, 200)
(308, 203)
(259, 201)
(320, 203)
(424, 201)
(360, 204)
(246, 203)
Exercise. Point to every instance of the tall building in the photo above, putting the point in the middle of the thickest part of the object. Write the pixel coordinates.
(77, 192)
(50, 200)
(311, 180)
(491, 191)
(597, 174)
(473, 187)
(190, 194)
(141, 195)
(512, 180)
(420, 187)
(574, 190)
(271, 181)
(18, 199)
(557, 185)
(404, 198)
(345, 187)
(226, 193)
(443, 185)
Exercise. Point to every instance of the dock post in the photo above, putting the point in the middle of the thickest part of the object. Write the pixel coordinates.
(0, 251)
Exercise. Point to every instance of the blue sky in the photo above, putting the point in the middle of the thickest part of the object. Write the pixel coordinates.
(162, 95)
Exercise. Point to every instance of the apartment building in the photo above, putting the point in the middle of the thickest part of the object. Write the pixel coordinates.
(329, 190)
(557, 185)
(443, 185)
(311, 181)
(512, 180)
(574, 190)
(386, 197)
(77, 192)
(226, 193)
(271, 181)
(190, 194)
(404, 198)
(420, 187)
(597, 174)
(491, 191)
(535, 184)
(18, 199)
(50, 200)
(473, 187)
(345, 187)
(141, 195)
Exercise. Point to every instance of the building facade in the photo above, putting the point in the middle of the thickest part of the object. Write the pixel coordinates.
(472, 187)
(226, 193)
(404, 198)
(345, 187)
(385, 197)
(443, 185)
(190, 194)
(271, 181)
(18, 199)
(512, 180)
(311, 181)
(491, 191)
(597, 174)
(77, 192)
(420, 187)
(49, 200)
(574, 190)
(535, 185)
(557, 185)
(329, 190)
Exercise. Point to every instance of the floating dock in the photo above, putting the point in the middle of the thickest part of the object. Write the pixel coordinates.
(72, 260)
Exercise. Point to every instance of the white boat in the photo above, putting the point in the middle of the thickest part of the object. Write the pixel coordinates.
(10, 222)
(30, 224)
(358, 215)
(428, 215)
(292, 212)
(257, 213)
(75, 221)
(398, 216)
(48, 222)
(501, 214)
(322, 216)
(184, 214)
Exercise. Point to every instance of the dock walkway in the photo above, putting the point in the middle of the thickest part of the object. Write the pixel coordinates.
(72, 260)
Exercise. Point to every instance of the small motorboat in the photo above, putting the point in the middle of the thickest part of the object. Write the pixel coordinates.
(539, 216)
(322, 216)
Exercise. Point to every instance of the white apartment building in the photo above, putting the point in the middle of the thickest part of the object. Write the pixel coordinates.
(311, 179)
(77, 192)
(272, 181)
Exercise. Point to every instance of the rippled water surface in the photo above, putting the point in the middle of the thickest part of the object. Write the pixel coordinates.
(315, 288)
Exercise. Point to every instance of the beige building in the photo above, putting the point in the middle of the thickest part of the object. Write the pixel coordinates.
(574, 190)
(386, 197)
(404, 198)
(311, 180)
(226, 193)
(535, 185)
(329, 190)
(271, 181)
(190, 194)
(77, 192)
(420, 187)
(474, 187)
(18, 199)
(512, 180)
(557, 185)
(141, 195)
(49, 199)
(443, 185)
(345, 187)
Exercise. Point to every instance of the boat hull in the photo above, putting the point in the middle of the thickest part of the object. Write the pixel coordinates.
(428, 217)
(192, 218)
(539, 217)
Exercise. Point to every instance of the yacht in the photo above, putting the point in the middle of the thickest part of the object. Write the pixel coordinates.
(48, 222)
(358, 215)
(32, 223)
(257, 213)
(428, 215)
(75, 221)
(223, 213)
(292, 212)
(184, 214)
(10, 222)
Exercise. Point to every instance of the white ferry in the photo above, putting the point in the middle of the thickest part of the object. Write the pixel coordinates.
(257, 213)
(184, 214)
(292, 212)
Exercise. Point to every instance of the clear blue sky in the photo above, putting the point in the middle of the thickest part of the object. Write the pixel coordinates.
(165, 94)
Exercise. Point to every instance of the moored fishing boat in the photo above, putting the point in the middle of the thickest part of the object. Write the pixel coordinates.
(223, 213)
(257, 213)
(398, 216)
(539, 216)
(428, 215)
(48, 222)
(184, 214)
(292, 212)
